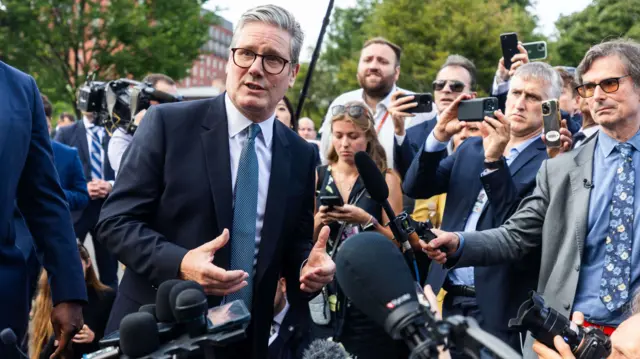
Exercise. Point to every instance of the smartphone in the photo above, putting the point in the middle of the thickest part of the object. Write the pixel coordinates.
(509, 42)
(331, 201)
(551, 119)
(477, 108)
(536, 50)
(231, 315)
(424, 100)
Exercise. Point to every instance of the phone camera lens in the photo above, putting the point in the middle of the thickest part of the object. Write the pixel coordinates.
(540, 47)
(545, 109)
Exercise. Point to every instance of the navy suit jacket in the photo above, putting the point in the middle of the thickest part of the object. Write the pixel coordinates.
(414, 139)
(174, 193)
(71, 174)
(30, 190)
(500, 289)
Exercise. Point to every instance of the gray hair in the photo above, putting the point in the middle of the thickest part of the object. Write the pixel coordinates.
(465, 63)
(276, 16)
(627, 50)
(542, 72)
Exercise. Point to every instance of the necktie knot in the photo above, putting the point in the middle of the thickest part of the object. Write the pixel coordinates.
(624, 149)
(254, 131)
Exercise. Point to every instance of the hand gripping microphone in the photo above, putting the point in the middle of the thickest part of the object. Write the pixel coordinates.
(372, 273)
(379, 191)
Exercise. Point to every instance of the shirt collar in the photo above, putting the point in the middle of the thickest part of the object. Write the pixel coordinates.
(87, 124)
(609, 144)
(280, 316)
(589, 131)
(238, 122)
(386, 101)
(517, 150)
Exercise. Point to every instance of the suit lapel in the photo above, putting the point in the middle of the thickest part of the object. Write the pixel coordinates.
(276, 205)
(579, 193)
(215, 142)
(529, 153)
(3, 110)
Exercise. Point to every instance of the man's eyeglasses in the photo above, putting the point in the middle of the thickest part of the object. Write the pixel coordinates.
(607, 85)
(455, 86)
(272, 64)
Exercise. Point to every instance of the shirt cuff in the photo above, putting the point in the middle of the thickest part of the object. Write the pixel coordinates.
(487, 172)
(400, 139)
(433, 145)
(304, 262)
(499, 87)
(459, 251)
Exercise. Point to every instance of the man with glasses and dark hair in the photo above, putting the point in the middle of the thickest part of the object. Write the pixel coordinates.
(583, 212)
(378, 72)
(218, 192)
(485, 180)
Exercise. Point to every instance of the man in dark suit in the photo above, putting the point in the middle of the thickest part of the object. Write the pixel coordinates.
(485, 180)
(290, 334)
(92, 141)
(29, 184)
(223, 168)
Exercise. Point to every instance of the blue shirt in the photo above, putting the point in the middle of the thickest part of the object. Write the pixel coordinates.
(464, 276)
(606, 160)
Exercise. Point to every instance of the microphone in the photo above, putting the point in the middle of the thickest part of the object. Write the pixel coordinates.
(149, 308)
(379, 191)
(325, 349)
(138, 335)
(587, 184)
(9, 338)
(386, 293)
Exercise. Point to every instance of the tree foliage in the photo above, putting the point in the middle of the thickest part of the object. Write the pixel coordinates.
(602, 20)
(60, 42)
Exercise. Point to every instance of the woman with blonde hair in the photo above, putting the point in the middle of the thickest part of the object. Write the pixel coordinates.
(353, 130)
(96, 313)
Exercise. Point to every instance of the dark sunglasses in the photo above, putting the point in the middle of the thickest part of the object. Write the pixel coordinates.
(354, 111)
(455, 86)
(607, 85)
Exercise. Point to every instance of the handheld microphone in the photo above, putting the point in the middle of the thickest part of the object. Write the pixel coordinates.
(379, 191)
(325, 349)
(9, 338)
(386, 293)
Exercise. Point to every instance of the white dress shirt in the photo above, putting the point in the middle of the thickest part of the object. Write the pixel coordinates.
(386, 136)
(238, 133)
(277, 321)
(117, 145)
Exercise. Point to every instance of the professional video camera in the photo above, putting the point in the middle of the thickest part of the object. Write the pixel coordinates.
(545, 323)
(116, 103)
(179, 325)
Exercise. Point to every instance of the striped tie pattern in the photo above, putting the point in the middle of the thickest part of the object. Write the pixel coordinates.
(96, 153)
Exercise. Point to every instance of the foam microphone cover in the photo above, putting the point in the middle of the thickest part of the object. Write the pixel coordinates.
(190, 304)
(138, 334)
(374, 275)
(164, 310)
(179, 288)
(8, 337)
(372, 177)
(148, 308)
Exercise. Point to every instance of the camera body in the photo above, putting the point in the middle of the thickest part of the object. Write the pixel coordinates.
(477, 109)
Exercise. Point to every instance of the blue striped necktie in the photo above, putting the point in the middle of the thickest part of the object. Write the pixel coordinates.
(243, 233)
(96, 153)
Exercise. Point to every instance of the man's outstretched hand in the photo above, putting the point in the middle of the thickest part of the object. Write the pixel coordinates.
(320, 268)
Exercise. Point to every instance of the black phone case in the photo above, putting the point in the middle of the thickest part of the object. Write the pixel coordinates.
(509, 42)
(331, 201)
(476, 109)
(424, 100)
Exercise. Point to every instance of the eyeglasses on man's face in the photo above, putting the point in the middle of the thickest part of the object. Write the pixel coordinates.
(609, 85)
(272, 64)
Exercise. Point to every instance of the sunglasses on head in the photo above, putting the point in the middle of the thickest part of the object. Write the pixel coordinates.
(455, 86)
(607, 85)
(354, 111)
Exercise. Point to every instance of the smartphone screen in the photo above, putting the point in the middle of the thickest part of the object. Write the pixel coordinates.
(229, 314)
(509, 42)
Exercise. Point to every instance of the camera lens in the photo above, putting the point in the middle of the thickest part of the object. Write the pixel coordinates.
(546, 110)
(540, 47)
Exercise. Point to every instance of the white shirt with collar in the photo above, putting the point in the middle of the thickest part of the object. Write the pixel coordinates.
(278, 318)
(386, 136)
(119, 143)
(238, 133)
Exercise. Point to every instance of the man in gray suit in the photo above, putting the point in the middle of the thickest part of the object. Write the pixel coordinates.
(582, 212)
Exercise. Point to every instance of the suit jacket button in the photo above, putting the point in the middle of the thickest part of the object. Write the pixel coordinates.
(567, 306)
(577, 268)
(291, 328)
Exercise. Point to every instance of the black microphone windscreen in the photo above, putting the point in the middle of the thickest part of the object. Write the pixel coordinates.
(8, 336)
(138, 334)
(374, 275)
(164, 310)
(179, 288)
(190, 304)
(372, 177)
(148, 308)
(324, 349)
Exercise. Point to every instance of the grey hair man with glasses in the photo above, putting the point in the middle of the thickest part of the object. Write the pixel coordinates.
(217, 192)
(583, 213)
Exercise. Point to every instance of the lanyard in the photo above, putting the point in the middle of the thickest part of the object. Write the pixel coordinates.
(384, 118)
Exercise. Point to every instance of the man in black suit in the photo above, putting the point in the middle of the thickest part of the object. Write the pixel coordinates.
(92, 141)
(290, 335)
(223, 168)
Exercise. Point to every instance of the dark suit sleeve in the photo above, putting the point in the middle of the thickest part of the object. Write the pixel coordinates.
(404, 154)
(429, 174)
(41, 201)
(77, 194)
(502, 194)
(123, 226)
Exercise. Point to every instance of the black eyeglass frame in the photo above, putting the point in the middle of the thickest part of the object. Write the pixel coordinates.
(453, 85)
(582, 90)
(255, 56)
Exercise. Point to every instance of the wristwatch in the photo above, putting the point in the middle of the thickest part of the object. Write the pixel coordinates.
(496, 165)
